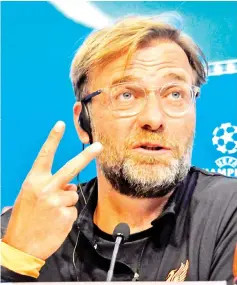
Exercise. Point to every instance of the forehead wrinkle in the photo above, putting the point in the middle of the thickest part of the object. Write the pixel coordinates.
(157, 65)
(177, 74)
(145, 64)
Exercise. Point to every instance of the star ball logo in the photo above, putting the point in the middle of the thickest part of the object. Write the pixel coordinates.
(225, 141)
(225, 138)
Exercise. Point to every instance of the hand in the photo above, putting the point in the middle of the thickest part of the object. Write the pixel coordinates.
(45, 211)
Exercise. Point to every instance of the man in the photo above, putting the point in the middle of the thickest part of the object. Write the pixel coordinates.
(136, 85)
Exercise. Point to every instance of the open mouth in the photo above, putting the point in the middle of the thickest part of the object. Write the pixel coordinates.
(151, 147)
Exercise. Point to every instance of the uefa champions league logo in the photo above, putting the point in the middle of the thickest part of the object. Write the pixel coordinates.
(225, 141)
(225, 138)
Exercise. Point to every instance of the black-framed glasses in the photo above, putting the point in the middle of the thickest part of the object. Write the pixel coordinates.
(129, 98)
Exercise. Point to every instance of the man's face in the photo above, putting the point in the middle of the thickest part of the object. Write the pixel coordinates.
(128, 161)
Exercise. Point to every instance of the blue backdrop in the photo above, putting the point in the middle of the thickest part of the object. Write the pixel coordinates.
(38, 44)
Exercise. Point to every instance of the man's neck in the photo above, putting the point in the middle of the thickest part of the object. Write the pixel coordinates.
(114, 208)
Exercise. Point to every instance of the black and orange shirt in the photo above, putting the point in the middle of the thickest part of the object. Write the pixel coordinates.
(193, 239)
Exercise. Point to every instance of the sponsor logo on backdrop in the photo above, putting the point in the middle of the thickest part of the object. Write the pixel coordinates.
(225, 141)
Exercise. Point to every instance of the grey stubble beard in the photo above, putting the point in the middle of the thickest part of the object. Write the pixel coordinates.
(141, 181)
(129, 179)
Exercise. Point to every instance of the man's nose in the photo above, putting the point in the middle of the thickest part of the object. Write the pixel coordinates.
(151, 116)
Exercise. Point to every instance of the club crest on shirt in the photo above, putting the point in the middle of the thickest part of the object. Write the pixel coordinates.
(178, 275)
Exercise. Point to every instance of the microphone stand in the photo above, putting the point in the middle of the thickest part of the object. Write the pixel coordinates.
(114, 256)
(120, 234)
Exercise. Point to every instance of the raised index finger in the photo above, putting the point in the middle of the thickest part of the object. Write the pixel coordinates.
(45, 157)
(76, 164)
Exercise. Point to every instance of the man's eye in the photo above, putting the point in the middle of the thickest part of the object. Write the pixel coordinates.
(175, 95)
(126, 96)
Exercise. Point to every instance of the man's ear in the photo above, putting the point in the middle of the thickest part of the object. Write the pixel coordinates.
(83, 136)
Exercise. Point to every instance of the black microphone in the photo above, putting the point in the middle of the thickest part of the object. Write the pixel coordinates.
(121, 234)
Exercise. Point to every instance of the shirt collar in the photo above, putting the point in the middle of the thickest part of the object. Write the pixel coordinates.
(172, 219)
(165, 222)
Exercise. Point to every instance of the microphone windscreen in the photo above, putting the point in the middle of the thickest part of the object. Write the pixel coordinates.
(122, 230)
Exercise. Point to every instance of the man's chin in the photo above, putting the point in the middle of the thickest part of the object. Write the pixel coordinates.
(149, 173)
(155, 161)
(142, 180)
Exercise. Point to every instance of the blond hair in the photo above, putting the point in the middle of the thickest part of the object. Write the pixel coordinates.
(126, 36)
